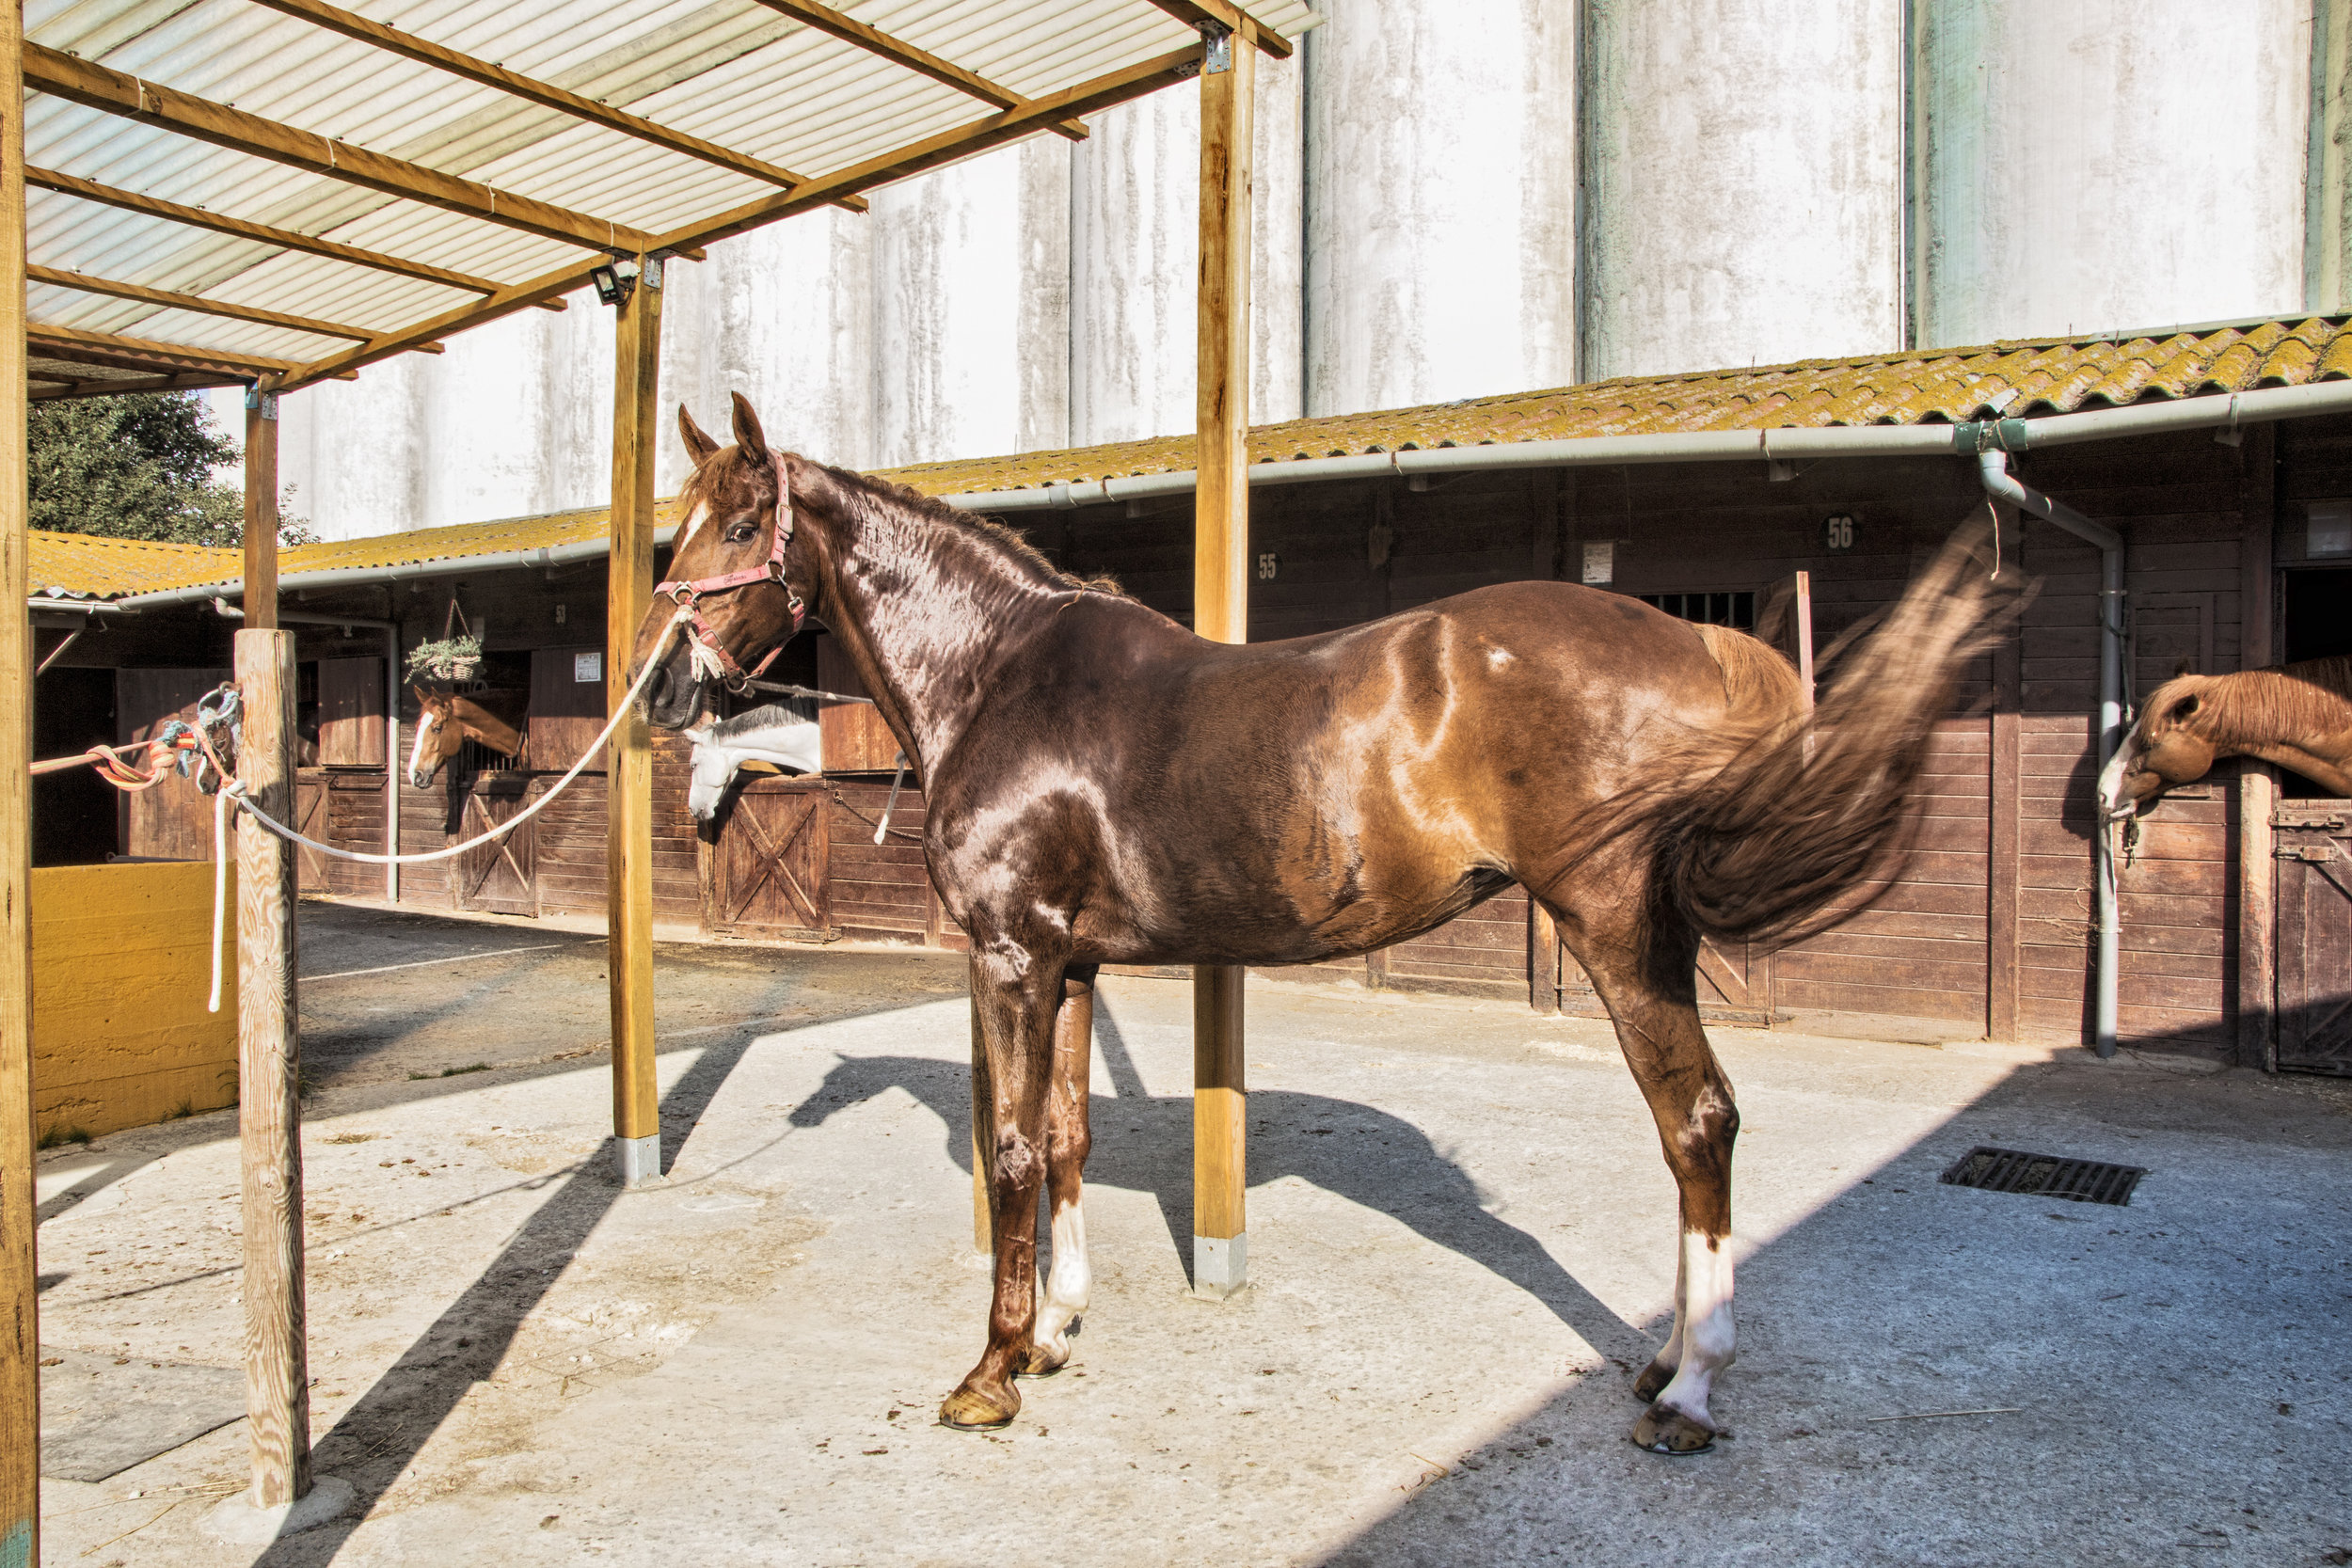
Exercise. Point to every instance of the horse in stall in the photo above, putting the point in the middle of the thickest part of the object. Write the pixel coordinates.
(774, 735)
(1105, 788)
(495, 717)
(2299, 716)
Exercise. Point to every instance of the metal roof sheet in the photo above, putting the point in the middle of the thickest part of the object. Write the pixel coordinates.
(2007, 380)
(730, 71)
(2010, 380)
(81, 565)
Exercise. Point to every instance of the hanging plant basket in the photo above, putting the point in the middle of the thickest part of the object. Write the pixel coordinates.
(448, 661)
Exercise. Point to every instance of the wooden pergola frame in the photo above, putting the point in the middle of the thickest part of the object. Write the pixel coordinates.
(268, 1049)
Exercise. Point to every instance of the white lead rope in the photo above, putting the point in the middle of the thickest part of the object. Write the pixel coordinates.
(231, 789)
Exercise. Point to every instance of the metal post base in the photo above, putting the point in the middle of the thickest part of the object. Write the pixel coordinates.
(641, 1159)
(1221, 1265)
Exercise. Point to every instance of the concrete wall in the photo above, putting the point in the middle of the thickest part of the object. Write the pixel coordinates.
(121, 963)
(1440, 200)
(1743, 183)
(2108, 163)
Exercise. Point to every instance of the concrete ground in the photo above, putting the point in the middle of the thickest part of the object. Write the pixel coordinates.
(1461, 1238)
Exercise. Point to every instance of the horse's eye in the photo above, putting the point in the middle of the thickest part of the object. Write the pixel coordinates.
(742, 533)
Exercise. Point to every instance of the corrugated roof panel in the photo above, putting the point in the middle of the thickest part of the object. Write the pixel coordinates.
(728, 70)
(83, 565)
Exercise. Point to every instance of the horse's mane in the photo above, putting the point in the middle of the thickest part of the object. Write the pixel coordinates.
(997, 537)
(797, 710)
(2253, 707)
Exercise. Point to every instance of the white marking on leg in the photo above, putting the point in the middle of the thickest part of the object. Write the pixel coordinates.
(1062, 1293)
(1670, 1355)
(416, 775)
(1703, 1323)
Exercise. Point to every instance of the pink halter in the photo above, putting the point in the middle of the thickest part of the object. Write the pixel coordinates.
(771, 570)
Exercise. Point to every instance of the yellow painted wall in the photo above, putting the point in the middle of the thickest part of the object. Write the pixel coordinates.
(121, 971)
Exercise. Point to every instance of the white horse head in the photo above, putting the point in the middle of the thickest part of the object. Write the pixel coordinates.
(769, 735)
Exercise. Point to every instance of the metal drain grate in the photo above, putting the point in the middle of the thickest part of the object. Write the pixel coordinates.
(2013, 1170)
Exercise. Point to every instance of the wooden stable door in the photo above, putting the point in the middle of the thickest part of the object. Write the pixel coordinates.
(311, 815)
(763, 870)
(2313, 857)
(496, 877)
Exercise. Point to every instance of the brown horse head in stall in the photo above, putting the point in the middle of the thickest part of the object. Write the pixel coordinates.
(447, 720)
(2299, 716)
(1105, 788)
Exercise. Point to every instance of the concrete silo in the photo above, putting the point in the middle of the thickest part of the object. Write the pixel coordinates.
(1440, 200)
(1742, 183)
(2104, 165)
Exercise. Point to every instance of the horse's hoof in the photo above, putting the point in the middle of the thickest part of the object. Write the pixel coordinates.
(1653, 1381)
(1042, 1362)
(1665, 1429)
(969, 1410)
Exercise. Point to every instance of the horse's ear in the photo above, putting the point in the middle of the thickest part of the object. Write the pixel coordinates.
(2186, 706)
(746, 432)
(699, 445)
(2186, 666)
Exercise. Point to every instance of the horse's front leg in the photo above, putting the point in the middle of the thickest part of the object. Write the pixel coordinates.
(1062, 1292)
(1016, 992)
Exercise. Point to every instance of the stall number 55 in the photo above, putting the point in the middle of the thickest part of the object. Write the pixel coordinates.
(1838, 535)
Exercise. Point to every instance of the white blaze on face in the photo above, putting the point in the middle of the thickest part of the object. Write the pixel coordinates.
(417, 774)
(1703, 1323)
(1062, 1294)
(2111, 801)
(686, 529)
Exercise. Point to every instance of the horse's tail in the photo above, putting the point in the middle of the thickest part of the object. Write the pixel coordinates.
(1807, 807)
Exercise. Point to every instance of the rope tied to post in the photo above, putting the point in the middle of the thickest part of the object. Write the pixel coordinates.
(232, 789)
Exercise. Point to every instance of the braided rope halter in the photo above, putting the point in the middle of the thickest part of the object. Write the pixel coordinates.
(702, 642)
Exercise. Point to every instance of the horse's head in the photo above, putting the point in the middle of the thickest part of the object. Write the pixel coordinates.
(729, 529)
(438, 735)
(2169, 745)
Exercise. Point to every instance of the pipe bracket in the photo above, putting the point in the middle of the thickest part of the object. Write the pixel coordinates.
(1983, 435)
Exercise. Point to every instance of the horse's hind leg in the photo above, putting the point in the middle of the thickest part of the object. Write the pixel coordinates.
(1644, 971)
(1016, 992)
(1062, 1292)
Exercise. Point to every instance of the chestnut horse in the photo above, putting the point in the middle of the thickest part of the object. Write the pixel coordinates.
(2299, 716)
(446, 721)
(1104, 786)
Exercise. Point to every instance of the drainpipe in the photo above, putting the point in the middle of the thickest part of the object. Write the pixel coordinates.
(1993, 467)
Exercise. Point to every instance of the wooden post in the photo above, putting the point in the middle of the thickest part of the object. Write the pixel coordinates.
(1543, 960)
(261, 509)
(983, 1090)
(269, 1111)
(2257, 906)
(1804, 634)
(628, 776)
(2005, 791)
(391, 761)
(1220, 1258)
(20, 1374)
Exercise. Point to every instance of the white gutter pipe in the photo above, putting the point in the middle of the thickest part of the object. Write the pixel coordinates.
(1993, 466)
(391, 720)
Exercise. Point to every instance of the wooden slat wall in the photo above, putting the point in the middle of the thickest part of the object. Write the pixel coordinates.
(882, 892)
(1480, 953)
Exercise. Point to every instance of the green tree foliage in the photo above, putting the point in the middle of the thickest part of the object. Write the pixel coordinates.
(138, 468)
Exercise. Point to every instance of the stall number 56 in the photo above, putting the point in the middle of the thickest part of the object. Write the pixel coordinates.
(1837, 534)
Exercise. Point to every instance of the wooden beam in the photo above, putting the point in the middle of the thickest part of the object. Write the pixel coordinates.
(269, 1106)
(140, 384)
(116, 92)
(1231, 18)
(2257, 920)
(1119, 86)
(157, 354)
(629, 768)
(546, 94)
(260, 512)
(263, 233)
(1220, 612)
(874, 40)
(58, 277)
(20, 1269)
(2004, 793)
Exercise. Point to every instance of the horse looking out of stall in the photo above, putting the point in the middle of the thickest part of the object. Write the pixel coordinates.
(1102, 786)
(447, 720)
(775, 734)
(2299, 716)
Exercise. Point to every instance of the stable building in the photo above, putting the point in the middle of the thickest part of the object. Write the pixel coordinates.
(1794, 500)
